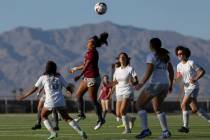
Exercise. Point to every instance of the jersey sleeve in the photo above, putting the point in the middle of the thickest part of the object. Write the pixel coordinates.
(39, 83)
(133, 72)
(114, 76)
(150, 59)
(195, 66)
(63, 81)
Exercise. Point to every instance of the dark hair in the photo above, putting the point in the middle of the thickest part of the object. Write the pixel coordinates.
(126, 55)
(161, 53)
(51, 68)
(185, 50)
(102, 39)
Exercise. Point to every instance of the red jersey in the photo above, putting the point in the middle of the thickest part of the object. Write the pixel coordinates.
(105, 89)
(92, 69)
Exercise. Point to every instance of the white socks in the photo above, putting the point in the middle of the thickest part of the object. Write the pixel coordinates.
(143, 118)
(186, 116)
(48, 125)
(125, 122)
(163, 121)
(202, 113)
(75, 126)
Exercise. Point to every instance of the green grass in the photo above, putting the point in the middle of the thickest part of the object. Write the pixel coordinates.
(18, 127)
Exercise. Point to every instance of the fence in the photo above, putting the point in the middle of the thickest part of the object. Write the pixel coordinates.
(30, 106)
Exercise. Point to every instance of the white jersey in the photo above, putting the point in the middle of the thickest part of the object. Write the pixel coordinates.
(122, 76)
(187, 71)
(53, 90)
(159, 74)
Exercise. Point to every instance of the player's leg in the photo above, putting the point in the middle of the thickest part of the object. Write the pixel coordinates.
(123, 114)
(142, 101)
(200, 111)
(92, 91)
(185, 114)
(44, 115)
(71, 122)
(157, 103)
(80, 93)
(39, 109)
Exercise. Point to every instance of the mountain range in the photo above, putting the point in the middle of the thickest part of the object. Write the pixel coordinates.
(24, 51)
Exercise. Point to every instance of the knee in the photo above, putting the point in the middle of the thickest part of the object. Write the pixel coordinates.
(183, 106)
(43, 116)
(194, 110)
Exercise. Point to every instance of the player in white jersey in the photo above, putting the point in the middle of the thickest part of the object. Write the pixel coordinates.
(53, 83)
(189, 72)
(160, 72)
(41, 96)
(123, 76)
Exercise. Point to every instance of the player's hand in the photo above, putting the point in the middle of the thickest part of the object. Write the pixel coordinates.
(72, 71)
(138, 86)
(192, 81)
(77, 78)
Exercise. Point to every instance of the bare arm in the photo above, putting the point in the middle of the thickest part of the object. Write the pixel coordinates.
(74, 69)
(200, 73)
(83, 70)
(148, 73)
(171, 76)
(33, 90)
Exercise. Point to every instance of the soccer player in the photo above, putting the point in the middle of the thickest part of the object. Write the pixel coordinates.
(122, 77)
(189, 72)
(39, 110)
(158, 65)
(91, 81)
(105, 95)
(53, 82)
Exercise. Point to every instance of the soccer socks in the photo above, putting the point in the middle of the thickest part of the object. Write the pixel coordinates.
(39, 117)
(163, 121)
(104, 114)
(125, 122)
(186, 117)
(143, 118)
(48, 125)
(203, 114)
(75, 126)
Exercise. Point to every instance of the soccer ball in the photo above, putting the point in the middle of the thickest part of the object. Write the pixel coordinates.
(100, 8)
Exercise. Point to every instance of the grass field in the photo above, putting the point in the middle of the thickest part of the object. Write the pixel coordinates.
(18, 127)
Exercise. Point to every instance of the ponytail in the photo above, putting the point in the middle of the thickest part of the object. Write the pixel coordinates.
(99, 41)
(163, 55)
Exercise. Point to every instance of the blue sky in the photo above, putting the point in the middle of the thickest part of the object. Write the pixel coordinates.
(189, 17)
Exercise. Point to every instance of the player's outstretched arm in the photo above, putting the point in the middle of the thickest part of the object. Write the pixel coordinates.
(33, 90)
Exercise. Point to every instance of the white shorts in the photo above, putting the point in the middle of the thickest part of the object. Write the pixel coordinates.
(93, 81)
(193, 93)
(123, 97)
(156, 89)
(49, 104)
(42, 98)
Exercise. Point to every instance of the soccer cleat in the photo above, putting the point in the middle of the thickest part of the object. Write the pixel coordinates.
(99, 124)
(131, 122)
(83, 135)
(143, 134)
(56, 128)
(52, 136)
(126, 131)
(183, 129)
(80, 117)
(120, 126)
(36, 126)
(165, 134)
